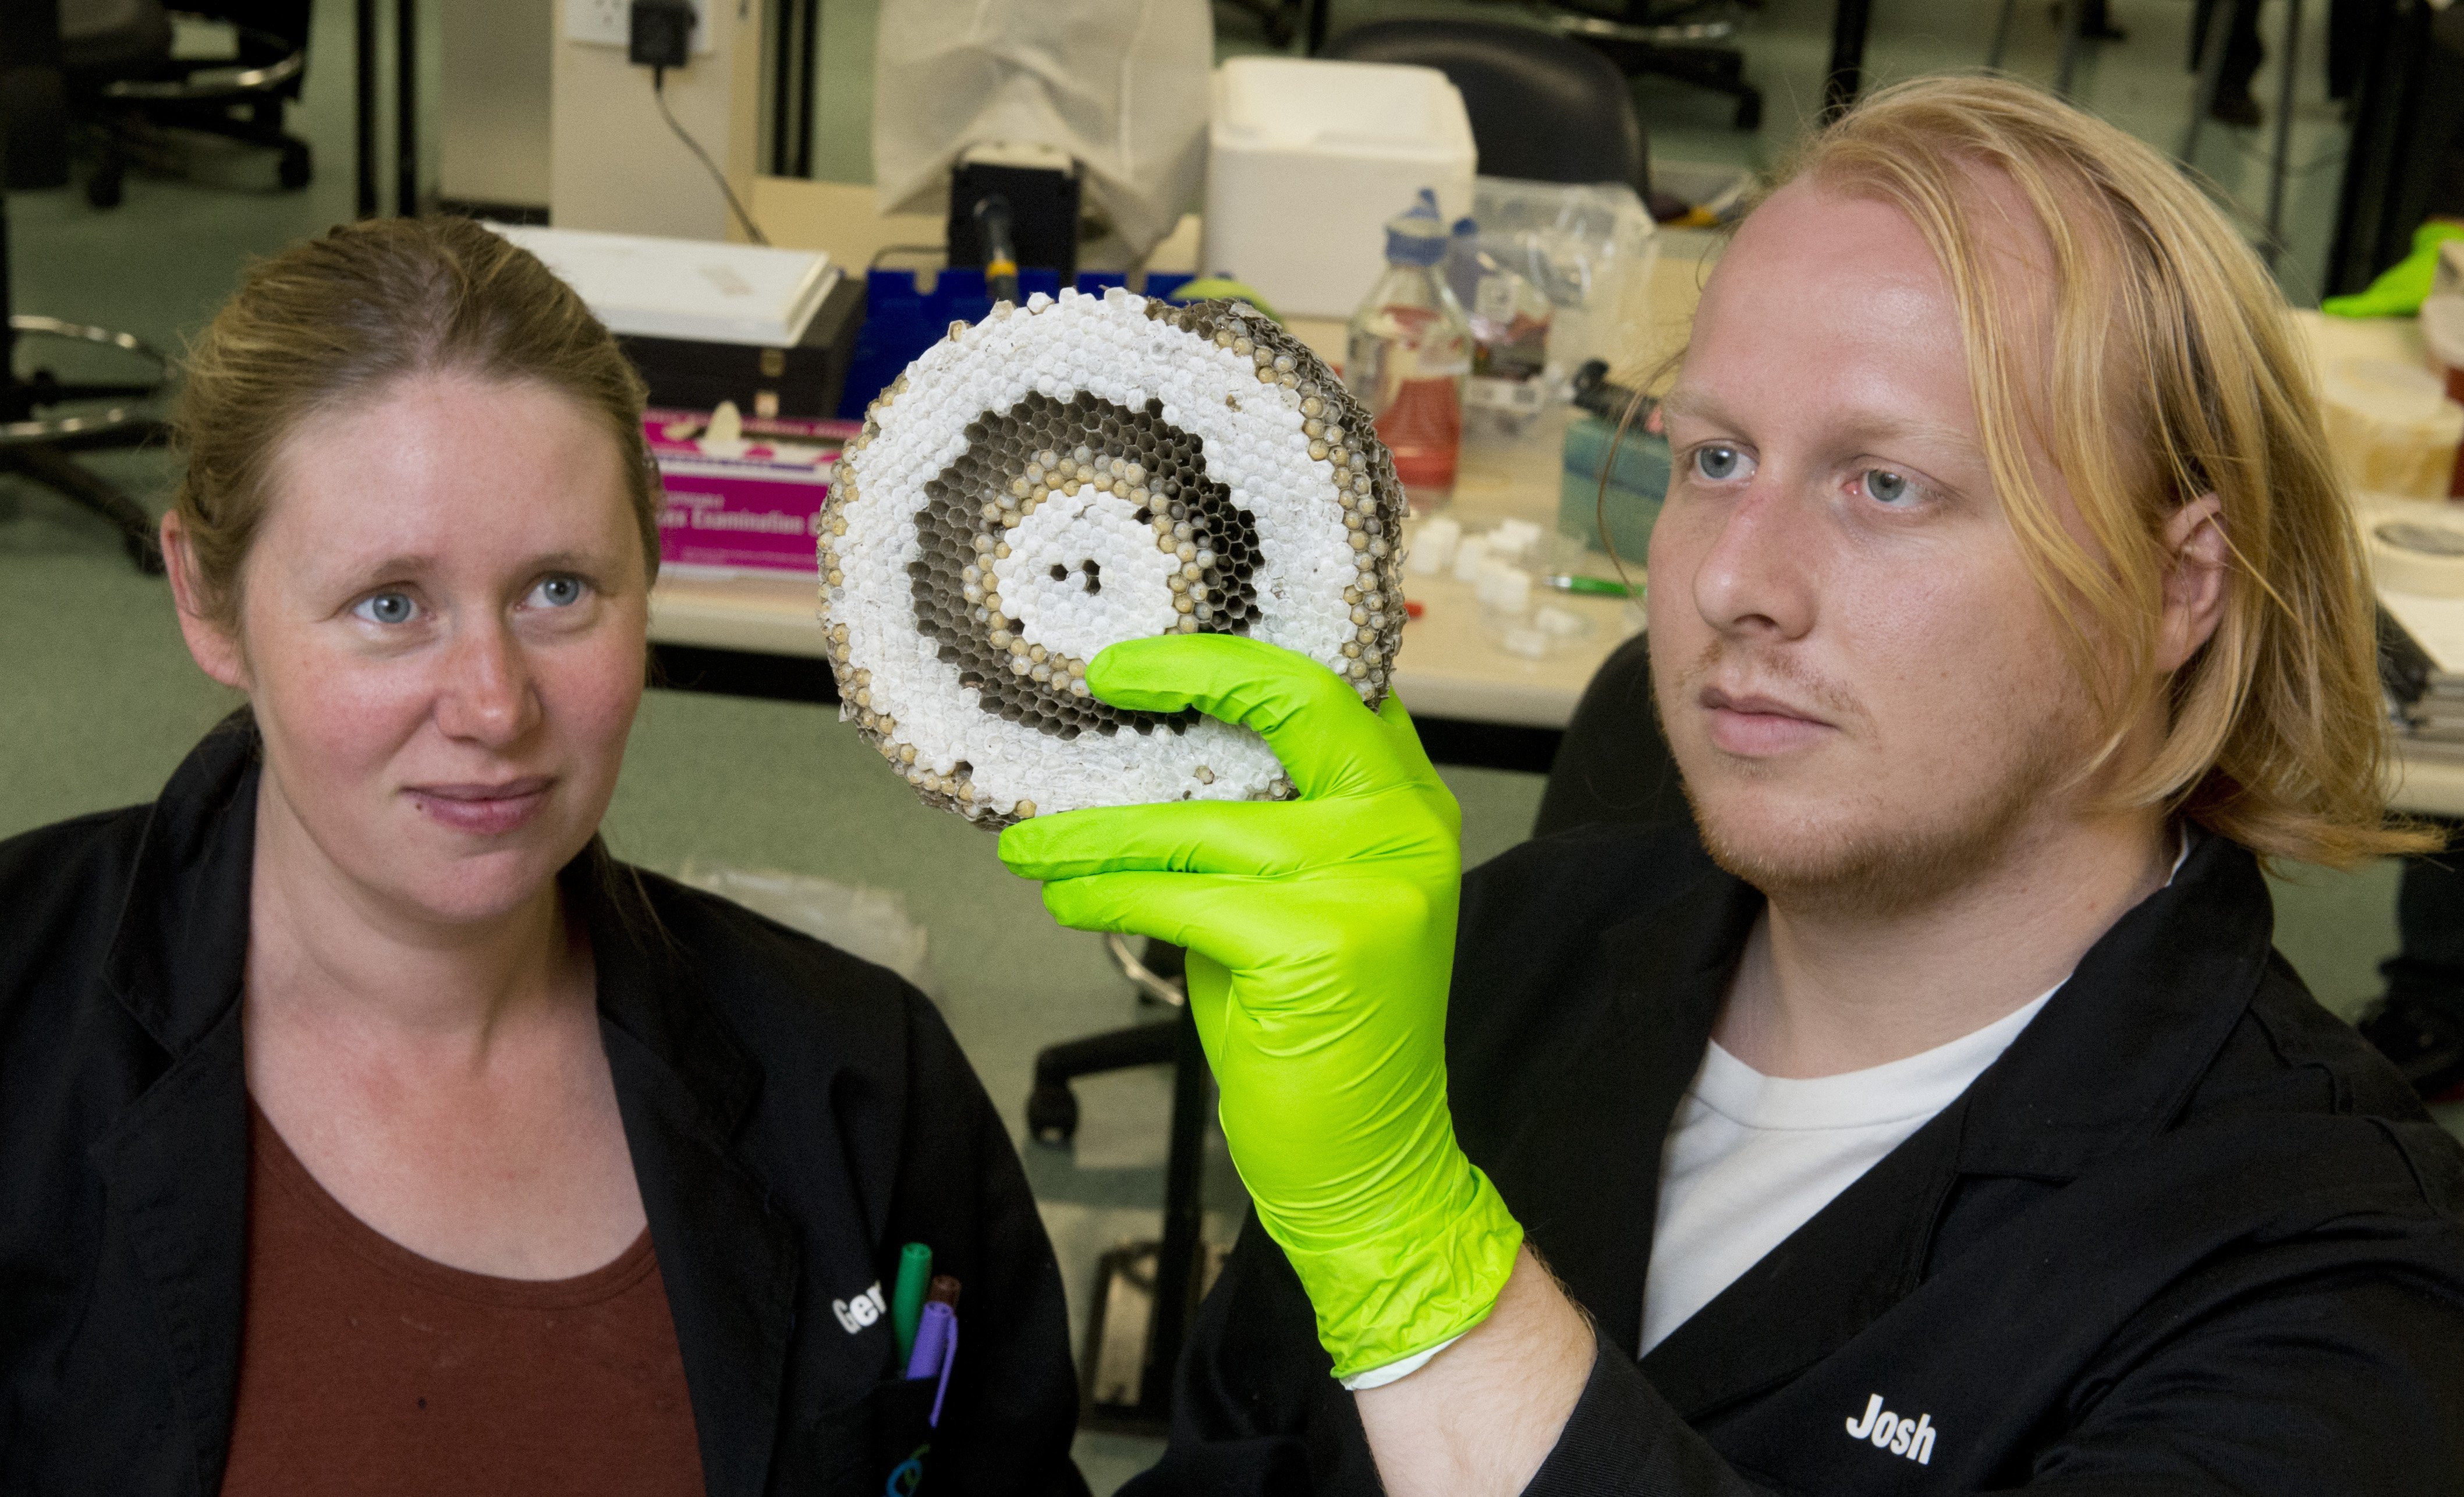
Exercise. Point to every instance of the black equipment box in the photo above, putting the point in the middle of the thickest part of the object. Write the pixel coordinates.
(802, 380)
(1043, 216)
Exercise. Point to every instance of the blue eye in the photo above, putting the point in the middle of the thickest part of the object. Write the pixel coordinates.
(385, 608)
(1720, 463)
(1887, 487)
(560, 591)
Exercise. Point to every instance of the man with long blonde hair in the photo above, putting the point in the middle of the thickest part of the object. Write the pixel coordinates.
(1953, 1126)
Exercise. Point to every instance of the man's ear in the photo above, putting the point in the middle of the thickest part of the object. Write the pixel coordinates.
(214, 649)
(2198, 567)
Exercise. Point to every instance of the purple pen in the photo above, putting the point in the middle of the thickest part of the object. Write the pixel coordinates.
(936, 1348)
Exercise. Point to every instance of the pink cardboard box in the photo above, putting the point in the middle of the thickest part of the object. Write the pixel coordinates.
(754, 503)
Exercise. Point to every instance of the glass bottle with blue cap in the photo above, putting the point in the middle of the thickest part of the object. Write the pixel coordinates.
(1407, 354)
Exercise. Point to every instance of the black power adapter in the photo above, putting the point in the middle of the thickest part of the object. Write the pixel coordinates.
(660, 33)
(659, 37)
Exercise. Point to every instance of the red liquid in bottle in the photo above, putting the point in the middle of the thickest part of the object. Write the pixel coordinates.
(1424, 429)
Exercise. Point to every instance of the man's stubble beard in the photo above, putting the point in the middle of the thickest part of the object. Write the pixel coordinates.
(1875, 866)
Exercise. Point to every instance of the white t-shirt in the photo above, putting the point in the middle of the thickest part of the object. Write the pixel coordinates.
(1750, 1157)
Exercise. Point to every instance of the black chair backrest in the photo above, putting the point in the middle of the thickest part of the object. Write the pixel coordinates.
(1543, 108)
(1613, 766)
(103, 41)
(287, 19)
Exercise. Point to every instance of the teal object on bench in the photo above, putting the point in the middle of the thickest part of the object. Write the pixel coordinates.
(1636, 488)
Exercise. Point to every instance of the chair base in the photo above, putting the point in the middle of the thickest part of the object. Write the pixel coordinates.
(41, 448)
(1145, 1292)
(52, 465)
(1116, 1386)
(138, 136)
(1052, 1109)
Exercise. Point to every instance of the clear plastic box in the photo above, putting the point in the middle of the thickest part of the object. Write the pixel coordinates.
(1588, 249)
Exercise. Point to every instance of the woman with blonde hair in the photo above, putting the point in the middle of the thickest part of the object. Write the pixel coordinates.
(363, 1125)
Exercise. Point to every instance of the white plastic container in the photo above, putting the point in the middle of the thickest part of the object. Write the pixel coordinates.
(2392, 427)
(1307, 160)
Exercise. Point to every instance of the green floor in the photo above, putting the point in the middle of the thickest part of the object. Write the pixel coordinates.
(97, 699)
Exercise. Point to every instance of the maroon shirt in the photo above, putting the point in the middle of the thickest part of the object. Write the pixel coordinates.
(366, 1368)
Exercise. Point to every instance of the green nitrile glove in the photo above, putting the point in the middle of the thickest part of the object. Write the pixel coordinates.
(2403, 286)
(1321, 935)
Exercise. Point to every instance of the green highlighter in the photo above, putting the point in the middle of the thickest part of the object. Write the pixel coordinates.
(906, 1304)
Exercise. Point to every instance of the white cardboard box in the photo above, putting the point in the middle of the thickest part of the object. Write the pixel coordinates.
(1307, 159)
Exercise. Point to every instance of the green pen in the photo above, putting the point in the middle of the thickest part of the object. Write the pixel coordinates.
(906, 1304)
(1596, 586)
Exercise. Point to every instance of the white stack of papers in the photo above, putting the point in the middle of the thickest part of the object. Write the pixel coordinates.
(693, 289)
(2435, 723)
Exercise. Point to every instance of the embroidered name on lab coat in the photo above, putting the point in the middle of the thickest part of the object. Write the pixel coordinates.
(861, 1311)
(1896, 1433)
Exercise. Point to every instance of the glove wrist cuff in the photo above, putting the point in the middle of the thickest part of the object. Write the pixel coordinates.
(1420, 1280)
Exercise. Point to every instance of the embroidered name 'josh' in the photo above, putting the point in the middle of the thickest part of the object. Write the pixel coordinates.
(1897, 1434)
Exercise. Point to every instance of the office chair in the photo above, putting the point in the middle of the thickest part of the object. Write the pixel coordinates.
(1051, 1108)
(1542, 108)
(1171, 1275)
(33, 445)
(1278, 21)
(128, 88)
(38, 447)
(1671, 38)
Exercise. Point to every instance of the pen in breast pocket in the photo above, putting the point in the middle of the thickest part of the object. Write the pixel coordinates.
(936, 1348)
(906, 1304)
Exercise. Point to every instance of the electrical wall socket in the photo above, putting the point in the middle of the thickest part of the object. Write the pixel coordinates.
(610, 23)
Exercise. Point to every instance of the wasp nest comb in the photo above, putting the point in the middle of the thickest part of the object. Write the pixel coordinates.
(1066, 475)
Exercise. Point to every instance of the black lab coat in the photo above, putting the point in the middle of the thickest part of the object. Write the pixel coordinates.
(795, 1116)
(2188, 1235)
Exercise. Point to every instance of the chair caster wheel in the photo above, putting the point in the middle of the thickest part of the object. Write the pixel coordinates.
(1052, 1114)
(295, 168)
(102, 190)
(1749, 112)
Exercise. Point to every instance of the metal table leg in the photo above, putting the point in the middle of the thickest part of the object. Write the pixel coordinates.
(1845, 77)
(2212, 76)
(2284, 133)
(405, 107)
(1177, 1264)
(2074, 22)
(363, 34)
